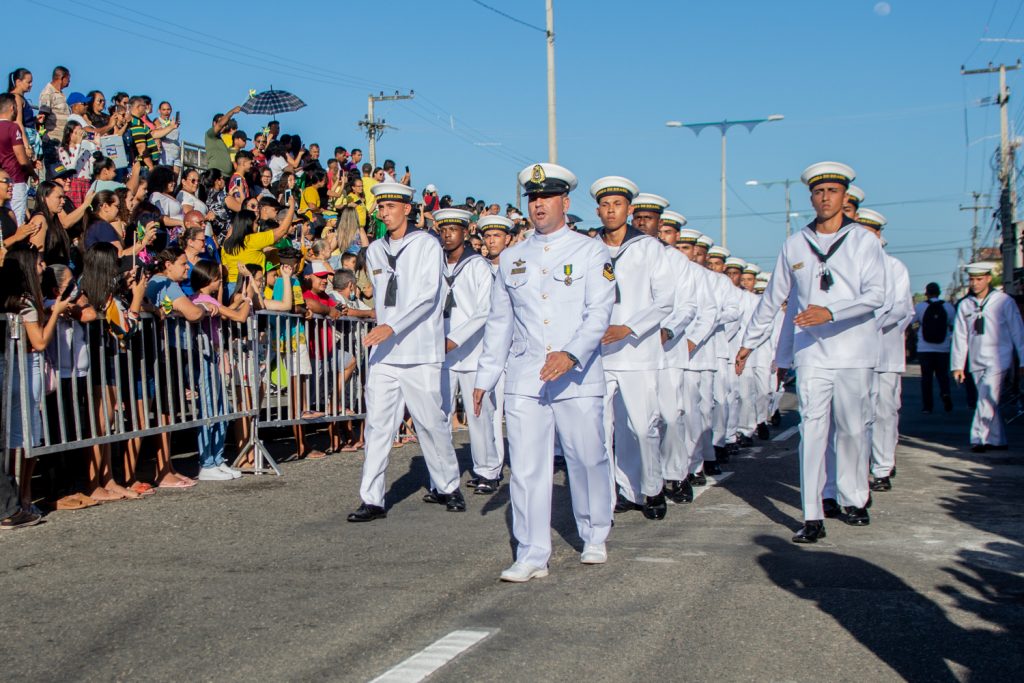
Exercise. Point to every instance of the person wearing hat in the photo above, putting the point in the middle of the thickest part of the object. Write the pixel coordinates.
(741, 424)
(631, 348)
(552, 302)
(467, 302)
(407, 351)
(754, 410)
(893, 319)
(684, 335)
(496, 232)
(854, 198)
(833, 274)
(723, 412)
(988, 330)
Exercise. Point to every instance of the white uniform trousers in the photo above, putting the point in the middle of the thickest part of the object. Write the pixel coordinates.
(499, 418)
(698, 386)
(531, 437)
(762, 394)
(886, 391)
(732, 415)
(987, 427)
(632, 431)
(776, 391)
(746, 393)
(390, 389)
(675, 450)
(720, 406)
(486, 461)
(828, 395)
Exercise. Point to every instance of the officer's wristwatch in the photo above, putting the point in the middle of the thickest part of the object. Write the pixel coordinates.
(574, 359)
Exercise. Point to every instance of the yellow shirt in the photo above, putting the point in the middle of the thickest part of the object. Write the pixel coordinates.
(251, 252)
(371, 202)
(352, 199)
(310, 199)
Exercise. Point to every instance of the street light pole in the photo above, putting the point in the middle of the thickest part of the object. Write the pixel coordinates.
(552, 138)
(785, 183)
(723, 126)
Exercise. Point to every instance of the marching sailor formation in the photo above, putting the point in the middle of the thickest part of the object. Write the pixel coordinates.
(648, 356)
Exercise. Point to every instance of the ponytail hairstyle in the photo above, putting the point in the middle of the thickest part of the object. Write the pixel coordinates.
(168, 255)
(204, 272)
(15, 76)
(102, 198)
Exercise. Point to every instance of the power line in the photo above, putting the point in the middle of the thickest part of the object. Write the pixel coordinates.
(510, 17)
(991, 12)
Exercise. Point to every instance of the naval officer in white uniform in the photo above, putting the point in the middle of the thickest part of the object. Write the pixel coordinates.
(835, 270)
(467, 302)
(987, 331)
(405, 363)
(552, 302)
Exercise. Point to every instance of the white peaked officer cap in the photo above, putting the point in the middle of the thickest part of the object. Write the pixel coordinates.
(612, 185)
(871, 218)
(545, 178)
(393, 192)
(493, 223)
(827, 172)
(673, 219)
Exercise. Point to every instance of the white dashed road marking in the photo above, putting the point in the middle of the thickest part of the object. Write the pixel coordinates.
(433, 657)
(785, 434)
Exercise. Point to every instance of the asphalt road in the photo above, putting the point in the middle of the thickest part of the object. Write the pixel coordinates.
(262, 579)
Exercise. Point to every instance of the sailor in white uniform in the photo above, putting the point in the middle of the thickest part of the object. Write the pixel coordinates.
(745, 421)
(496, 231)
(893, 320)
(987, 331)
(685, 332)
(405, 363)
(726, 385)
(552, 302)
(760, 360)
(467, 302)
(835, 270)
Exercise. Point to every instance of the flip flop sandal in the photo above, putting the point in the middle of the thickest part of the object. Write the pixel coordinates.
(349, 449)
(176, 485)
(72, 502)
(316, 455)
(142, 488)
(311, 414)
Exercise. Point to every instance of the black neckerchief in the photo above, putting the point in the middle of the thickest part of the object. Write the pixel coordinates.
(468, 253)
(826, 275)
(391, 293)
(632, 235)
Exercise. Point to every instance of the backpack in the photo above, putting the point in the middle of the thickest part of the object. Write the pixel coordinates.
(935, 323)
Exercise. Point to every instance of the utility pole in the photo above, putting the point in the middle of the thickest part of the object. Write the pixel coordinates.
(552, 138)
(1007, 194)
(974, 230)
(375, 128)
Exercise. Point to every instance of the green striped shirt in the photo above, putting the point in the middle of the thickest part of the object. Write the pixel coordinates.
(140, 133)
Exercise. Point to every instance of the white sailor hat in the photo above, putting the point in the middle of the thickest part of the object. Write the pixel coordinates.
(459, 217)
(645, 201)
(980, 268)
(705, 241)
(545, 178)
(673, 219)
(493, 223)
(393, 192)
(752, 269)
(614, 185)
(764, 276)
(856, 194)
(827, 172)
(871, 218)
(717, 251)
(689, 236)
(733, 262)
(760, 285)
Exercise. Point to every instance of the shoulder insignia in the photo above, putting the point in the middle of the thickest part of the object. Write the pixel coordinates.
(609, 272)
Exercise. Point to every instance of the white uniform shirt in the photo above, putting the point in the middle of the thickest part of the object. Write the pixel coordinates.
(416, 315)
(535, 312)
(471, 291)
(646, 293)
(693, 315)
(1003, 332)
(747, 303)
(926, 346)
(894, 317)
(704, 356)
(858, 270)
(728, 297)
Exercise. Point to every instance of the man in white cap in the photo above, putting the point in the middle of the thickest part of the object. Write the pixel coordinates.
(552, 301)
(893, 318)
(987, 331)
(496, 232)
(408, 348)
(754, 411)
(467, 302)
(833, 274)
(742, 410)
(854, 198)
(724, 412)
(685, 332)
(631, 347)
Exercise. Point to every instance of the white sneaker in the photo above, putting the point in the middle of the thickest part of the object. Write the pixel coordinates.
(224, 467)
(520, 572)
(214, 474)
(594, 553)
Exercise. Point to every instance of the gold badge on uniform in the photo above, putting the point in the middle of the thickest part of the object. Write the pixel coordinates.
(538, 174)
(609, 272)
(798, 266)
(518, 271)
(567, 270)
(377, 271)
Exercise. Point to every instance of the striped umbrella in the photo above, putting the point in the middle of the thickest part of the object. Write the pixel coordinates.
(272, 102)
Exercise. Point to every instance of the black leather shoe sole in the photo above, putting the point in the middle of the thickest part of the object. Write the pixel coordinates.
(655, 507)
(433, 496)
(367, 513)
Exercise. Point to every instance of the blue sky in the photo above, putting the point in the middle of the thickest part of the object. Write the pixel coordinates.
(880, 91)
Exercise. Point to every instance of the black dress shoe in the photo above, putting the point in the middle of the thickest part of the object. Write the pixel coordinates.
(892, 474)
(867, 505)
(623, 504)
(486, 487)
(979, 448)
(711, 467)
(855, 516)
(762, 432)
(473, 482)
(697, 479)
(655, 507)
(831, 508)
(679, 491)
(745, 441)
(455, 502)
(881, 484)
(434, 496)
(811, 532)
(776, 419)
(367, 513)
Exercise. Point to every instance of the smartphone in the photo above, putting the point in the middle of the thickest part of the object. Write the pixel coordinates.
(68, 291)
(177, 117)
(287, 195)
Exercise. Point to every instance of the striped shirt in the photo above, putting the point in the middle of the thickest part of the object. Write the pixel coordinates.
(140, 134)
